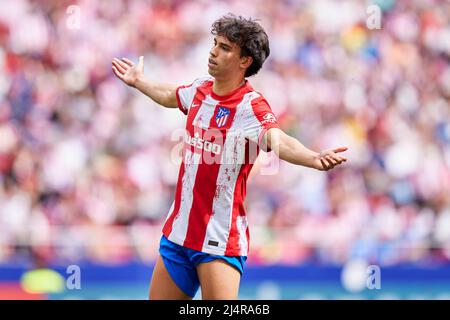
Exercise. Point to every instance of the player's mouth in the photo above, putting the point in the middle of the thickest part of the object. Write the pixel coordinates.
(211, 63)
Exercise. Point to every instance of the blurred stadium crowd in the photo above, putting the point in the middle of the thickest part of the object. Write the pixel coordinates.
(86, 163)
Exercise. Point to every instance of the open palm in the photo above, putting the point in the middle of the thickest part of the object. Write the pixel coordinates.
(127, 71)
(328, 159)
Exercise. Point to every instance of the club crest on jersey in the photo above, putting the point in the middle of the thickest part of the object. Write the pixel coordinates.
(222, 116)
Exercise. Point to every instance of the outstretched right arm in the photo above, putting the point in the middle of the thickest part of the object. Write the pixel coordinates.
(133, 75)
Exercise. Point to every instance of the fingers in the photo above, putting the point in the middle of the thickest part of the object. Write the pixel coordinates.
(341, 149)
(337, 159)
(128, 62)
(118, 68)
(121, 66)
(324, 164)
(329, 161)
(117, 73)
(141, 62)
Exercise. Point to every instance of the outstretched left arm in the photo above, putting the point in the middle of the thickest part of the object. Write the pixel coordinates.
(290, 149)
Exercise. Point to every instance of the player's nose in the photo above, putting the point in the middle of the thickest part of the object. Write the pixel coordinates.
(213, 52)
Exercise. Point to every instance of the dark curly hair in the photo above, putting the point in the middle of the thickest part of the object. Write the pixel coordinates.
(248, 35)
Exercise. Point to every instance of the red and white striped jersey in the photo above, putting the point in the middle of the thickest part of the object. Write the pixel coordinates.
(223, 138)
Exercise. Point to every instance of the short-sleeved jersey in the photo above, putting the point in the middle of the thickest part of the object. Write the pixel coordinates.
(222, 141)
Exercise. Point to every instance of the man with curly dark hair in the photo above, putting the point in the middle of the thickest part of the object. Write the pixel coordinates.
(205, 238)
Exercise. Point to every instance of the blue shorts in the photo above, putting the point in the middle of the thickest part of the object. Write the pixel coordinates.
(181, 263)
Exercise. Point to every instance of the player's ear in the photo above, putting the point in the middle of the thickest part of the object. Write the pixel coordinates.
(246, 62)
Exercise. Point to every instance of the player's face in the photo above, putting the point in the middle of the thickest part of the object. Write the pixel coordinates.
(224, 58)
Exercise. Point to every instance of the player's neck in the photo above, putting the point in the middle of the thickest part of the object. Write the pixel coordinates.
(224, 87)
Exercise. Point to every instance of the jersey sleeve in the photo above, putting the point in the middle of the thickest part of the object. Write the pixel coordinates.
(261, 118)
(185, 94)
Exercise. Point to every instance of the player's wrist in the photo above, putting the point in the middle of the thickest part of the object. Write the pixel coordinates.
(138, 82)
(315, 161)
